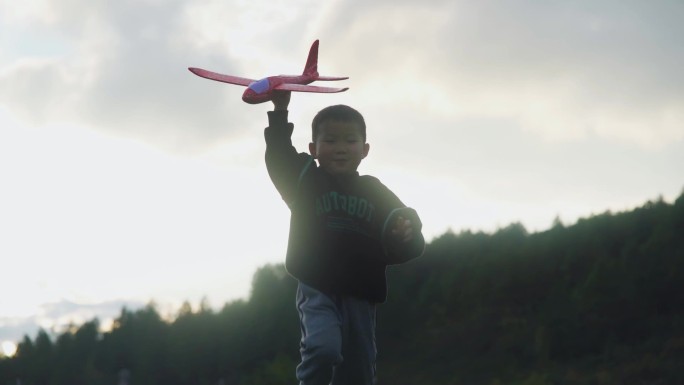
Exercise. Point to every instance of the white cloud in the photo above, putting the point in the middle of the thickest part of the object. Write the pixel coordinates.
(18, 13)
(123, 75)
(561, 71)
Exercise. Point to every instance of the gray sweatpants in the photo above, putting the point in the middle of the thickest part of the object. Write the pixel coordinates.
(338, 339)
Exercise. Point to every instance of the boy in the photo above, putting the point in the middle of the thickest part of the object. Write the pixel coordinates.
(344, 230)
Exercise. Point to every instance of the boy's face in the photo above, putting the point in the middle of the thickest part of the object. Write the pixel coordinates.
(339, 147)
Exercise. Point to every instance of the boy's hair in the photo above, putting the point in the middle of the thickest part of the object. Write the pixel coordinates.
(337, 113)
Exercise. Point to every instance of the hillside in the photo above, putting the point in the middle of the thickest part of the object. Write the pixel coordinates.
(597, 302)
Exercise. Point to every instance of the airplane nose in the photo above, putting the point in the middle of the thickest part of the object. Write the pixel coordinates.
(252, 97)
(248, 96)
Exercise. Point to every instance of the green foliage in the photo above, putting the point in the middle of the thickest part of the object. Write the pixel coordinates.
(279, 371)
(597, 302)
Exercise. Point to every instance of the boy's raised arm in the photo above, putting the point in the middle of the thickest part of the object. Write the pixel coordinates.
(283, 163)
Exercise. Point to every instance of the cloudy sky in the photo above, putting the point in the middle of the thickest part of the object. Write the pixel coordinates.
(125, 178)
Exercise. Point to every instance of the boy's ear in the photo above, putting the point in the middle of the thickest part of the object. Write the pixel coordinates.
(366, 148)
(312, 149)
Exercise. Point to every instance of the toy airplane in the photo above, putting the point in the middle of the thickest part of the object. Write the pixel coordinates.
(259, 91)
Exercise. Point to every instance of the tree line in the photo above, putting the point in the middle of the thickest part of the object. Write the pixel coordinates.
(597, 302)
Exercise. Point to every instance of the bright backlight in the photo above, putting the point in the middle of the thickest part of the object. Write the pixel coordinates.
(8, 348)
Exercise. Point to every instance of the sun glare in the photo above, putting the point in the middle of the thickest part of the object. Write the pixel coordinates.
(8, 348)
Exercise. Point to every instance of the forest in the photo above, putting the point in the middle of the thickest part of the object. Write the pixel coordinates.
(600, 301)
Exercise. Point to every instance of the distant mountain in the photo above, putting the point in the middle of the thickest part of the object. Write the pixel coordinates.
(57, 316)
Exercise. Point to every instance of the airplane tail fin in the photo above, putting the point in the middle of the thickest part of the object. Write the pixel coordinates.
(311, 67)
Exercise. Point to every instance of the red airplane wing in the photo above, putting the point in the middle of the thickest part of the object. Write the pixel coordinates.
(303, 88)
(220, 77)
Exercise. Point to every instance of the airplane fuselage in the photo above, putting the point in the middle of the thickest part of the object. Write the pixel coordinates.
(262, 90)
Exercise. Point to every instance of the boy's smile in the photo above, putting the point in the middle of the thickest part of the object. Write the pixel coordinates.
(339, 147)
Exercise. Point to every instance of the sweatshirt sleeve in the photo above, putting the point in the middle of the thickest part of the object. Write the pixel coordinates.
(285, 166)
(396, 250)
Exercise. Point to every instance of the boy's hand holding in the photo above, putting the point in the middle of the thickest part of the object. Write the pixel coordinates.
(403, 230)
(281, 99)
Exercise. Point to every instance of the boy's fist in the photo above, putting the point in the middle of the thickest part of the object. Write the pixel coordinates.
(403, 230)
(281, 99)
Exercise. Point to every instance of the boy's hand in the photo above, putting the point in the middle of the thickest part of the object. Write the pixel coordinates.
(403, 230)
(281, 99)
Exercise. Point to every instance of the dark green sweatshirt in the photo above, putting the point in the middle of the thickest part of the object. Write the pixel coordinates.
(339, 241)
